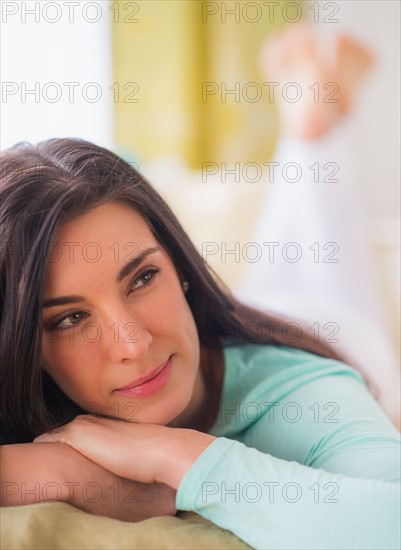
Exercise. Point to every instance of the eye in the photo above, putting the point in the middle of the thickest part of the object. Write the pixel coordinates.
(67, 322)
(144, 279)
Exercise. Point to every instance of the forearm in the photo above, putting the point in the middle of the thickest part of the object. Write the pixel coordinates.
(278, 498)
(53, 471)
(27, 477)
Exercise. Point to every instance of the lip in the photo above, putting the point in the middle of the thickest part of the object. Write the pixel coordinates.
(150, 383)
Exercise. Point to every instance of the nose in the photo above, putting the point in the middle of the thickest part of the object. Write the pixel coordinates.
(127, 340)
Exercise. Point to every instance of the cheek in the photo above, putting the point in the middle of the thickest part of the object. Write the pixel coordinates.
(58, 355)
(189, 334)
(63, 362)
(174, 317)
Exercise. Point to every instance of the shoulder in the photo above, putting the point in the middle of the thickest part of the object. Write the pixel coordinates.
(278, 369)
(258, 378)
(299, 406)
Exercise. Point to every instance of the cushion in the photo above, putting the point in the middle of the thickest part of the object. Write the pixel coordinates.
(56, 525)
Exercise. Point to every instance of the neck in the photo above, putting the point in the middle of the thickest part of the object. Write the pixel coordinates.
(203, 408)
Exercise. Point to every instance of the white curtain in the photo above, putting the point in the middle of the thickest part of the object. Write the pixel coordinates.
(56, 71)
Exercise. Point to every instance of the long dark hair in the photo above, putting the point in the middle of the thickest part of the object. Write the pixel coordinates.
(45, 185)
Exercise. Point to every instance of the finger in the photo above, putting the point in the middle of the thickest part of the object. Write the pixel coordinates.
(59, 434)
(51, 437)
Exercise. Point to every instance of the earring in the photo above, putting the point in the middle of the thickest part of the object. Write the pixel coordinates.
(185, 286)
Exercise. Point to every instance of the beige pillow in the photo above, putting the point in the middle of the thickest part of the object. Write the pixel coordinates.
(56, 525)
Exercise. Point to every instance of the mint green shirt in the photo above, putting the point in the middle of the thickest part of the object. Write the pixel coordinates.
(304, 456)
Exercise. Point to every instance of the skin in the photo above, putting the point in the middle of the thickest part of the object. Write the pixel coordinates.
(118, 327)
(336, 64)
(120, 330)
(65, 477)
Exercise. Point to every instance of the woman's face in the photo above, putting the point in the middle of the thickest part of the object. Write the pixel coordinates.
(115, 313)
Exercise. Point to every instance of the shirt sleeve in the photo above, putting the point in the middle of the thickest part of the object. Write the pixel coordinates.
(320, 470)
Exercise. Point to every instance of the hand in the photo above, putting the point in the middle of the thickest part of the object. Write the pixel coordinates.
(147, 453)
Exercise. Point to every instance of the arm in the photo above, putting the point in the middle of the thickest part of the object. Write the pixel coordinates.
(298, 485)
(305, 484)
(273, 504)
(53, 471)
(25, 480)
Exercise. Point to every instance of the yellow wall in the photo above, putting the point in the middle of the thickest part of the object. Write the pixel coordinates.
(173, 49)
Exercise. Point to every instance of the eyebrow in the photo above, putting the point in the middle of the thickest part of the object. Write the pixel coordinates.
(135, 262)
(126, 270)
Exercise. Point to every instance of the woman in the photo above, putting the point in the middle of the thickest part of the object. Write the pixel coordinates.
(207, 405)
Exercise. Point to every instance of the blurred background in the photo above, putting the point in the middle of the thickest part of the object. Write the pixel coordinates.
(174, 87)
